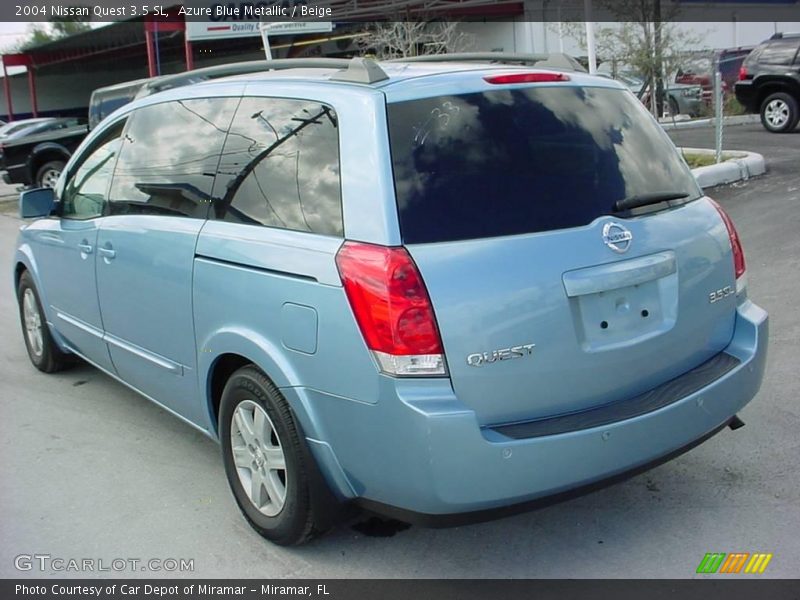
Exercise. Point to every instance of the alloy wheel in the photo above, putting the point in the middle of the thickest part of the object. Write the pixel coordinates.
(259, 458)
(777, 113)
(50, 178)
(33, 322)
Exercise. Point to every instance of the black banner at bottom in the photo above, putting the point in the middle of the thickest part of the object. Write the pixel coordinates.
(399, 589)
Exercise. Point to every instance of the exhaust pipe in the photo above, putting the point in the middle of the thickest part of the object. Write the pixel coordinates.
(735, 423)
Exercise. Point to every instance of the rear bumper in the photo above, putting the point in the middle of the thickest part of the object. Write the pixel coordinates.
(419, 454)
(17, 174)
(746, 95)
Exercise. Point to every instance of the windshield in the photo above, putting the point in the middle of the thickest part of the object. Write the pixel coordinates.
(525, 160)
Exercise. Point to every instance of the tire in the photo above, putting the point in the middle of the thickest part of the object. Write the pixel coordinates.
(48, 173)
(779, 112)
(252, 410)
(42, 350)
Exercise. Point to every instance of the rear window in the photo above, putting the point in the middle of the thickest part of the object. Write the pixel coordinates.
(517, 161)
(780, 52)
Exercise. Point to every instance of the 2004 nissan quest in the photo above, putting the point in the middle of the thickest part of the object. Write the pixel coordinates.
(432, 289)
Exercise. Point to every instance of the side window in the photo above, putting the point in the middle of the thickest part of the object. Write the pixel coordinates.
(84, 194)
(779, 52)
(168, 158)
(280, 167)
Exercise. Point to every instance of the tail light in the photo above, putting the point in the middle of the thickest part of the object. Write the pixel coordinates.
(392, 309)
(739, 265)
(742, 73)
(525, 78)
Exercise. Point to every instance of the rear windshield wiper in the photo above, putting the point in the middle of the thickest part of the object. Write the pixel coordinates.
(647, 199)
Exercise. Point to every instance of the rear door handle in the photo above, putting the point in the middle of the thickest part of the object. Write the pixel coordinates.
(85, 247)
(108, 253)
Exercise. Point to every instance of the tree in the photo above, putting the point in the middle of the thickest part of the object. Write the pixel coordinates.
(49, 32)
(400, 39)
(651, 46)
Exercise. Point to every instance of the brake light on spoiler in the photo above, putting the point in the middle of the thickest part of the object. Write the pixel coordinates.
(539, 77)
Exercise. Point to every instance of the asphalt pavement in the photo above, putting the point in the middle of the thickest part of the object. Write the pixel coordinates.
(89, 469)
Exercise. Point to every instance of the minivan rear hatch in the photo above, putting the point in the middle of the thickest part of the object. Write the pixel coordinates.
(548, 297)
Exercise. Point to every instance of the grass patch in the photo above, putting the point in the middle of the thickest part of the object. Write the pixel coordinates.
(732, 107)
(694, 159)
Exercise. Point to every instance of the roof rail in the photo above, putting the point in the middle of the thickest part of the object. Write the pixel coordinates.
(358, 70)
(361, 70)
(166, 82)
(555, 60)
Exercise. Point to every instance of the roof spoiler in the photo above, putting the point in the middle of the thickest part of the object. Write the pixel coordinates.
(781, 35)
(555, 60)
(354, 70)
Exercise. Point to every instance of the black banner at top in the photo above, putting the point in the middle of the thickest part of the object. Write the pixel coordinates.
(233, 11)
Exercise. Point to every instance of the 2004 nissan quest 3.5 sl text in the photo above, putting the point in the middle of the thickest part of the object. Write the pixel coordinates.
(436, 290)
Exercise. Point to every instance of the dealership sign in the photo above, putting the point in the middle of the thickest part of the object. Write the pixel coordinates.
(215, 20)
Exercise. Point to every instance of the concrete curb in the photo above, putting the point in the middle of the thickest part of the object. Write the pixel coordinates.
(735, 120)
(744, 166)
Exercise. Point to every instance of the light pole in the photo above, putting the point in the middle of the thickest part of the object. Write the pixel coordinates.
(587, 15)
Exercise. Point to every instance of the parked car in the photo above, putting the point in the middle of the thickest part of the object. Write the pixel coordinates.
(700, 69)
(681, 99)
(35, 151)
(24, 127)
(729, 62)
(698, 72)
(106, 100)
(16, 127)
(769, 82)
(437, 291)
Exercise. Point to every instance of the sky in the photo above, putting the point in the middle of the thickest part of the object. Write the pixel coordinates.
(11, 33)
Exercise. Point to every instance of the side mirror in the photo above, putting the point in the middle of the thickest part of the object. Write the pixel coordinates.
(36, 203)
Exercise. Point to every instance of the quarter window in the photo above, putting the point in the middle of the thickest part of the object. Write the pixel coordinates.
(280, 167)
(84, 195)
(169, 156)
(779, 52)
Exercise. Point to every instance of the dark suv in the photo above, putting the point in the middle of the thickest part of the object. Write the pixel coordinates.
(36, 153)
(769, 82)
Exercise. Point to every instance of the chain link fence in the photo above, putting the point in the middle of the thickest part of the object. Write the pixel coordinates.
(716, 73)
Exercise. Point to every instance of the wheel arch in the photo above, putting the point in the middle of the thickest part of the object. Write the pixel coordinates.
(44, 153)
(220, 371)
(226, 352)
(25, 261)
(329, 483)
(19, 268)
(771, 86)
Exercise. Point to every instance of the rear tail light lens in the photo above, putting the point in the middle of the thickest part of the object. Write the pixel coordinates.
(525, 78)
(739, 265)
(742, 73)
(392, 309)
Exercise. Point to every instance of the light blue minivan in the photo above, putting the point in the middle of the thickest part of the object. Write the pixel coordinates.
(436, 290)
